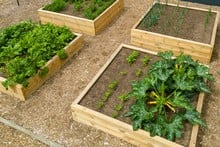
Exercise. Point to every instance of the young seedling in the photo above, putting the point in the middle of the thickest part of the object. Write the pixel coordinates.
(115, 114)
(207, 17)
(145, 60)
(118, 107)
(123, 73)
(124, 97)
(100, 104)
(138, 72)
(132, 57)
(113, 85)
(107, 95)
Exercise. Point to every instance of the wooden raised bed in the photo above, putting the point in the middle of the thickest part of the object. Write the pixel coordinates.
(53, 65)
(82, 25)
(116, 127)
(160, 42)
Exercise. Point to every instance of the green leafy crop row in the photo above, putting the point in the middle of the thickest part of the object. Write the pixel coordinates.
(164, 96)
(89, 8)
(26, 47)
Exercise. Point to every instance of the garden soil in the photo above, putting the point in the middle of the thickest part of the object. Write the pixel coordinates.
(47, 111)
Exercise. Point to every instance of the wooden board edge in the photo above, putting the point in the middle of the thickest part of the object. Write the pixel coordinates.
(98, 74)
(214, 31)
(142, 17)
(195, 128)
(106, 10)
(173, 38)
(117, 127)
(189, 7)
(108, 15)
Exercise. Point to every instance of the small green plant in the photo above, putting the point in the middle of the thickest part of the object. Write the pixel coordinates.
(56, 6)
(123, 73)
(132, 57)
(124, 97)
(153, 16)
(207, 18)
(115, 114)
(145, 60)
(180, 19)
(113, 85)
(138, 72)
(118, 107)
(100, 104)
(77, 5)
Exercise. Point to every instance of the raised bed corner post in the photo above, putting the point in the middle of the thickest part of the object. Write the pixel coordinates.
(18, 3)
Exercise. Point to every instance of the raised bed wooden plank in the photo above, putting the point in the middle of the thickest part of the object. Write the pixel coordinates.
(53, 65)
(199, 51)
(82, 25)
(118, 128)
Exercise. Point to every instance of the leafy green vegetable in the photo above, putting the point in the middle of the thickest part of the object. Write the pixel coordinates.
(89, 8)
(132, 57)
(164, 95)
(145, 60)
(56, 6)
(26, 47)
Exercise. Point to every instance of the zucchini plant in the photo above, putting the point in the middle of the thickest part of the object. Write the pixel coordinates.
(163, 97)
(26, 47)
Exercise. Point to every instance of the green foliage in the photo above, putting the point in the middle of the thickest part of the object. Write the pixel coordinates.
(26, 47)
(123, 73)
(89, 8)
(152, 17)
(118, 107)
(164, 95)
(138, 72)
(115, 114)
(123, 97)
(145, 60)
(56, 6)
(132, 57)
(107, 95)
(113, 85)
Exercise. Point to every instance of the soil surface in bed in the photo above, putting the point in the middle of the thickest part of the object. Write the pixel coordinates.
(192, 25)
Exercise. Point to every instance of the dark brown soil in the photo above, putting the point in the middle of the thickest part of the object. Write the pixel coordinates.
(112, 73)
(193, 26)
